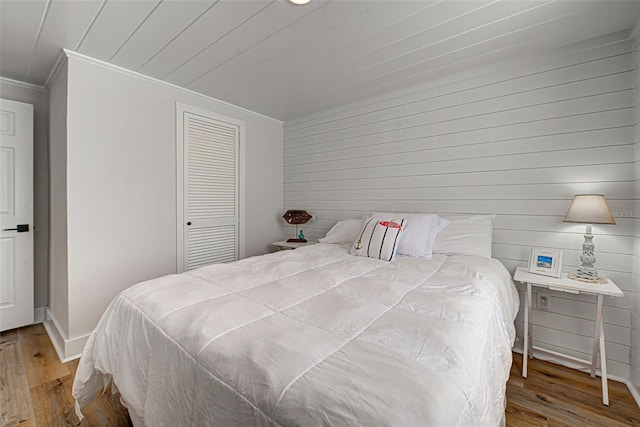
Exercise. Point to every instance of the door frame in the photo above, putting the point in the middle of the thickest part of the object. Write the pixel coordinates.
(181, 109)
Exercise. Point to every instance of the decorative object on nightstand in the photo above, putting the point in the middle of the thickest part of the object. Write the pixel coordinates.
(297, 217)
(547, 262)
(589, 209)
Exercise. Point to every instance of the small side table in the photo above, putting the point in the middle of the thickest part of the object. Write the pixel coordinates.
(284, 245)
(564, 284)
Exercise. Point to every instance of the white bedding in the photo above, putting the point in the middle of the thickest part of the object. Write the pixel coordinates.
(310, 337)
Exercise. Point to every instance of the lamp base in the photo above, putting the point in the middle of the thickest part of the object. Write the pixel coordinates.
(589, 273)
(297, 241)
(587, 270)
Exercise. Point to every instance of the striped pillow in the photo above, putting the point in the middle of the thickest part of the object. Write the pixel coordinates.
(378, 238)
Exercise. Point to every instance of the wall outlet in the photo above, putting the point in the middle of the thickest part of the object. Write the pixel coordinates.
(544, 302)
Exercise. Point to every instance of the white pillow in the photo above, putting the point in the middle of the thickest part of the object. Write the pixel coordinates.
(344, 232)
(378, 238)
(471, 235)
(419, 233)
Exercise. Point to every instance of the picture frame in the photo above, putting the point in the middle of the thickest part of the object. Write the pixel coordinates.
(547, 262)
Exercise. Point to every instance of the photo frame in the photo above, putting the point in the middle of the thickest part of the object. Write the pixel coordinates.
(547, 262)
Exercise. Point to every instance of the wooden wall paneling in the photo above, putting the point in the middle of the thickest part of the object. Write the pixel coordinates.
(616, 190)
(518, 140)
(455, 148)
(635, 218)
(494, 112)
(531, 89)
(579, 347)
(576, 325)
(471, 101)
(569, 175)
(504, 79)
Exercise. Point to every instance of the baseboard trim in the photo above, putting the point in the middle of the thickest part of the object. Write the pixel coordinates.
(55, 337)
(66, 349)
(634, 392)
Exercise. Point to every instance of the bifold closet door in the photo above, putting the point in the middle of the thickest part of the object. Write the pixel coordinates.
(210, 190)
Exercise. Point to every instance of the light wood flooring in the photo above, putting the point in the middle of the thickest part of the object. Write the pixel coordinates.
(553, 395)
(35, 390)
(35, 387)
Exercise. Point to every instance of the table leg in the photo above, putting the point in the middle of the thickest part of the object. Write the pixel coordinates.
(603, 352)
(596, 337)
(527, 320)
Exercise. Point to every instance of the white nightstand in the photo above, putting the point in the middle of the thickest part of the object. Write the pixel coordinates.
(565, 284)
(284, 245)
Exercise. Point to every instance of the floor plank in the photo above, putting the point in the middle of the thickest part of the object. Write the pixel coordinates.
(35, 387)
(54, 404)
(9, 336)
(41, 363)
(16, 407)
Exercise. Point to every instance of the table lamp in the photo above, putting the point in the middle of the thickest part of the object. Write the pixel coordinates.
(589, 209)
(297, 217)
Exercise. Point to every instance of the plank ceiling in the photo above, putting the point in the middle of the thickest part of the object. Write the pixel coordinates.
(283, 60)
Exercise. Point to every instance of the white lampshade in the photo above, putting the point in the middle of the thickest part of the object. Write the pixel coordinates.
(589, 209)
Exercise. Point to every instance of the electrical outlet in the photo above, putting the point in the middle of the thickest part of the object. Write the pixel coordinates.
(544, 302)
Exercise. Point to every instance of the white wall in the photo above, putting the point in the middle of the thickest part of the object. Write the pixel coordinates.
(516, 139)
(58, 274)
(17, 91)
(121, 183)
(635, 279)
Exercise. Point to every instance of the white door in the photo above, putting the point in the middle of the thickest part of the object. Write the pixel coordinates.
(16, 214)
(208, 188)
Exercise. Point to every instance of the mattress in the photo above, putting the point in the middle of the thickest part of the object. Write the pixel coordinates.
(309, 337)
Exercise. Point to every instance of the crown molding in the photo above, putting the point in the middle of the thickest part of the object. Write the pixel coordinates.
(24, 85)
(57, 66)
(162, 83)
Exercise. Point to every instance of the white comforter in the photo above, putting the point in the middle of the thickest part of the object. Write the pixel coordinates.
(310, 337)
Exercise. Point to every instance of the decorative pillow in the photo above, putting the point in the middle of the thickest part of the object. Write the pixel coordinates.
(344, 232)
(471, 235)
(378, 238)
(419, 233)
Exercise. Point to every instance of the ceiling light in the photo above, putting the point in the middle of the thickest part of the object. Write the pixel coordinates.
(298, 2)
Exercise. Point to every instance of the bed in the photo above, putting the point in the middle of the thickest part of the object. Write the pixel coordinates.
(308, 337)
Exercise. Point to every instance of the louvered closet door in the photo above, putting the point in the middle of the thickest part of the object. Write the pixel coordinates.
(210, 191)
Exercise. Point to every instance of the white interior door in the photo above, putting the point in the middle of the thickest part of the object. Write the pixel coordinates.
(16, 214)
(209, 221)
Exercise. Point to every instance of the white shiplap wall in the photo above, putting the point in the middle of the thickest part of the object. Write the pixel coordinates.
(635, 279)
(517, 139)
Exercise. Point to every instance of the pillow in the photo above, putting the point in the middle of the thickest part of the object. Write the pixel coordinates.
(471, 235)
(378, 238)
(419, 232)
(343, 232)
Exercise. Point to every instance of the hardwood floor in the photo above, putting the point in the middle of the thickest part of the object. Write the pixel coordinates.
(553, 395)
(35, 390)
(35, 387)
